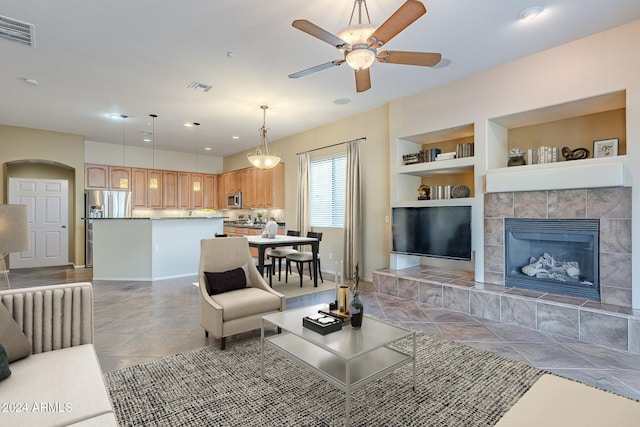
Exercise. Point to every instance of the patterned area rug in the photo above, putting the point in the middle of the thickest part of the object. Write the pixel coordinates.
(457, 386)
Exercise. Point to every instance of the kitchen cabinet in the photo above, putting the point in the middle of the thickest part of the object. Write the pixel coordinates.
(274, 187)
(222, 192)
(184, 190)
(196, 188)
(154, 191)
(169, 189)
(119, 178)
(210, 192)
(96, 177)
(139, 186)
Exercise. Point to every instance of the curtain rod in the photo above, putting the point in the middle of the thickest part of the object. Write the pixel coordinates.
(332, 145)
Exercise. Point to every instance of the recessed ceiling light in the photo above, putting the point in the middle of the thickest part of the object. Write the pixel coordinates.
(207, 148)
(231, 54)
(146, 132)
(342, 101)
(201, 87)
(530, 12)
(115, 116)
(31, 82)
(189, 125)
(146, 140)
(235, 137)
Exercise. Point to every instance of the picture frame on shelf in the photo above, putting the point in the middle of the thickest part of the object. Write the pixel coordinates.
(605, 148)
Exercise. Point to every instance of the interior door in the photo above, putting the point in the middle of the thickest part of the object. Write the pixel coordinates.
(47, 203)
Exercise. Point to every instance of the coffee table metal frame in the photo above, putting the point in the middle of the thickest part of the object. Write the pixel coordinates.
(349, 358)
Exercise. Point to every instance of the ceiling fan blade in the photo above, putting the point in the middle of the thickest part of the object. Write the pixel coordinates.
(401, 19)
(317, 32)
(316, 68)
(424, 59)
(363, 80)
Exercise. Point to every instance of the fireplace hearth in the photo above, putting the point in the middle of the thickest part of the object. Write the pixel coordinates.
(558, 256)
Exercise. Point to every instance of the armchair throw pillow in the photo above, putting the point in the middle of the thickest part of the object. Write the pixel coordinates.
(12, 339)
(4, 364)
(225, 281)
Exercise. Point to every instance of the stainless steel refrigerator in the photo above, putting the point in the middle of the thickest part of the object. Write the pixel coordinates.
(102, 204)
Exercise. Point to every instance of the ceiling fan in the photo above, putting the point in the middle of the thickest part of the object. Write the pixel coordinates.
(360, 42)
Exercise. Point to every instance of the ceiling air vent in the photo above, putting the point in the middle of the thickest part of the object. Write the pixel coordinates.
(16, 31)
(200, 86)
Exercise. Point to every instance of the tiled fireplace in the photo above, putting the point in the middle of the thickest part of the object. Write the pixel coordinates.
(612, 206)
(610, 322)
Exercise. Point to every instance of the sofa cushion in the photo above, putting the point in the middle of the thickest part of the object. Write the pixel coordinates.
(246, 302)
(56, 388)
(225, 281)
(4, 364)
(12, 339)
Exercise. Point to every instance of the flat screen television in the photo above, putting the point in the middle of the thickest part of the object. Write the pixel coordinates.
(435, 231)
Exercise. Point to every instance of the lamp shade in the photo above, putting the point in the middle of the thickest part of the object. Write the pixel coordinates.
(14, 229)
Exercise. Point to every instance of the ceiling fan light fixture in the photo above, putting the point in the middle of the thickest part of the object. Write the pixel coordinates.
(360, 59)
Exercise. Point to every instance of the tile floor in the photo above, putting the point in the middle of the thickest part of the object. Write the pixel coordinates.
(140, 321)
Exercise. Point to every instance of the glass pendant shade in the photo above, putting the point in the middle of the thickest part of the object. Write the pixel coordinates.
(361, 56)
(264, 157)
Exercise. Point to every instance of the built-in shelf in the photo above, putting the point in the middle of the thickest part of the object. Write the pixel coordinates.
(461, 165)
(587, 173)
(462, 201)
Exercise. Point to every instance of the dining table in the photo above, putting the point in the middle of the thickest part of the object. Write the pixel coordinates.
(264, 243)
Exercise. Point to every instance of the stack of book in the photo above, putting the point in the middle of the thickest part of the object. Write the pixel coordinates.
(446, 156)
(464, 150)
(430, 154)
(543, 154)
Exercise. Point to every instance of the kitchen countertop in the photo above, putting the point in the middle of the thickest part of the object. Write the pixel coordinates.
(165, 217)
(245, 225)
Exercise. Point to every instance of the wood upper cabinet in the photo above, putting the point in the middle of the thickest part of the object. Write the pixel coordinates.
(222, 192)
(184, 190)
(248, 187)
(169, 189)
(119, 178)
(197, 191)
(96, 176)
(274, 197)
(154, 189)
(210, 192)
(139, 186)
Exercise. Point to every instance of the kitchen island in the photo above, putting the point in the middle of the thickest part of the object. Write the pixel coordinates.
(149, 248)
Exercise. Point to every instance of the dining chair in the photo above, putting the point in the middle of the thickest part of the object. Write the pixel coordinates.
(300, 258)
(281, 253)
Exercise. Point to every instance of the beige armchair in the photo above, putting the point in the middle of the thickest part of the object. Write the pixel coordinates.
(240, 310)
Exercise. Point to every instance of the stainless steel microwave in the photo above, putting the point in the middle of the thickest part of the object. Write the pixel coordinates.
(234, 200)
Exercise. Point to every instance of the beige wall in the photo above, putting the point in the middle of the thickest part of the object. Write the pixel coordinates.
(375, 177)
(18, 144)
(604, 63)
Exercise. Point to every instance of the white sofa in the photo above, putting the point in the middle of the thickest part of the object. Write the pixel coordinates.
(61, 382)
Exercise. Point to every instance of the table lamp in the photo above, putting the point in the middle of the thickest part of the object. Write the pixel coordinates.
(14, 233)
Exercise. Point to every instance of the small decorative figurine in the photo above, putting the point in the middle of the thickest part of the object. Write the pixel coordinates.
(576, 154)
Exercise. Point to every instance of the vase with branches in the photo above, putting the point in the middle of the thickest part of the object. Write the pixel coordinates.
(357, 308)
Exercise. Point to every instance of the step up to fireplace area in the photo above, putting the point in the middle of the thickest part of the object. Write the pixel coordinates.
(574, 317)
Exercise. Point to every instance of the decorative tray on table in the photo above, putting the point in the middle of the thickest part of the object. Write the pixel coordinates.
(322, 323)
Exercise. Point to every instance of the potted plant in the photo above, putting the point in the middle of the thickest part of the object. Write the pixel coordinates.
(356, 308)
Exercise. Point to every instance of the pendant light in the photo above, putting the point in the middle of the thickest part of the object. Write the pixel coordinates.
(264, 158)
(153, 182)
(196, 184)
(124, 181)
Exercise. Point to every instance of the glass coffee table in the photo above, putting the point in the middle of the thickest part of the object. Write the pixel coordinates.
(348, 358)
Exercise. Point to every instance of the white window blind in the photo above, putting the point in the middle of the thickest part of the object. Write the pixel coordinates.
(327, 177)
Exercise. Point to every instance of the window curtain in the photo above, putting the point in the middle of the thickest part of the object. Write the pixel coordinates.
(352, 211)
(303, 211)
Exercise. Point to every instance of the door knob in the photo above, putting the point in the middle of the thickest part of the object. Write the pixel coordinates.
(64, 226)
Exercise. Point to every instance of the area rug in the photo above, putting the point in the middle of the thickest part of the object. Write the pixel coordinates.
(457, 386)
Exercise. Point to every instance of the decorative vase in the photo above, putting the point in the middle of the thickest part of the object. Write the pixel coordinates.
(516, 161)
(271, 229)
(343, 299)
(356, 311)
